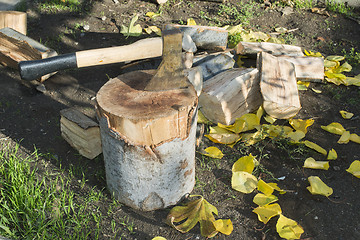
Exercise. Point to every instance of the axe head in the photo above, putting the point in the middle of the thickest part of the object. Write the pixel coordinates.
(169, 75)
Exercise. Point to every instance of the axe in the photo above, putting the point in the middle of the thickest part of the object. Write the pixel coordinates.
(212, 38)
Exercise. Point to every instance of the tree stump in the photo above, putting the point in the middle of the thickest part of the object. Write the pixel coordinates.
(148, 140)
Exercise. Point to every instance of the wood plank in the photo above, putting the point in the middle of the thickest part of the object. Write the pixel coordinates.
(230, 95)
(252, 48)
(15, 20)
(278, 86)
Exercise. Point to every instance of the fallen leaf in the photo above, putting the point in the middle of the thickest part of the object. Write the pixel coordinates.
(318, 187)
(312, 54)
(264, 188)
(320, 39)
(244, 164)
(345, 138)
(213, 152)
(313, 164)
(153, 29)
(335, 128)
(355, 138)
(275, 186)
(270, 119)
(252, 138)
(152, 14)
(335, 58)
(346, 115)
(198, 210)
(191, 22)
(316, 90)
(303, 86)
(221, 135)
(281, 30)
(243, 182)
(330, 64)
(315, 147)
(296, 136)
(203, 119)
(332, 155)
(133, 30)
(260, 113)
(354, 168)
(265, 213)
(158, 238)
(288, 228)
(300, 124)
(262, 200)
(353, 81)
(224, 226)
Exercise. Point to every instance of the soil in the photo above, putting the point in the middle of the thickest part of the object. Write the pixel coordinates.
(31, 117)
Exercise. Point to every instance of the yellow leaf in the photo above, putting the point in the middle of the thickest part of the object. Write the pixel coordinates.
(224, 226)
(355, 138)
(252, 138)
(332, 155)
(312, 54)
(243, 182)
(221, 135)
(301, 125)
(353, 81)
(153, 29)
(318, 187)
(260, 113)
(335, 58)
(335, 128)
(203, 119)
(133, 30)
(270, 119)
(234, 29)
(198, 210)
(312, 163)
(346, 115)
(276, 130)
(316, 90)
(265, 188)
(288, 228)
(213, 152)
(296, 136)
(302, 86)
(152, 14)
(265, 213)
(275, 186)
(315, 147)
(190, 22)
(329, 64)
(158, 238)
(354, 168)
(237, 127)
(345, 138)
(251, 121)
(244, 164)
(262, 200)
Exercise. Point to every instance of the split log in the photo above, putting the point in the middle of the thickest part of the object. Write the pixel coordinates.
(230, 95)
(80, 132)
(148, 140)
(252, 48)
(278, 86)
(194, 75)
(307, 68)
(16, 47)
(15, 20)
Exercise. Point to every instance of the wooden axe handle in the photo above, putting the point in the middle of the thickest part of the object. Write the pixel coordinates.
(142, 49)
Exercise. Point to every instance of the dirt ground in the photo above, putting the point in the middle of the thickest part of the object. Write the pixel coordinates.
(32, 117)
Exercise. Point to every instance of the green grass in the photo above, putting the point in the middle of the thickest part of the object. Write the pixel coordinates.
(339, 8)
(43, 206)
(55, 6)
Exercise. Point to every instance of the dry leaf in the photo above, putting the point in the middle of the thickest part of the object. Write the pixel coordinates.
(312, 54)
(313, 164)
(245, 164)
(346, 115)
(316, 90)
(158, 238)
(213, 152)
(319, 187)
(262, 200)
(270, 119)
(296, 136)
(354, 168)
(152, 14)
(301, 125)
(332, 155)
(203, 119)
(264, 188)
(345, 138)
(303, 86)
(335, 128)
(243, 182)
(275, 186)
(224, 226)
(191, 22)
(355, 138)
(315, 147)
(288, 228)
(153, 29)
(265, 213)
(133, 30)
(221, 135)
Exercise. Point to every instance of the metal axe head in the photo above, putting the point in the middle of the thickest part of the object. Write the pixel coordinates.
(170, 74)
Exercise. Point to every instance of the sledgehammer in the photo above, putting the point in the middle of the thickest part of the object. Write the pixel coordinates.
(215, 39)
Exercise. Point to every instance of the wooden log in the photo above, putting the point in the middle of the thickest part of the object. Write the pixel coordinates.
(307, 68)
(148, 140)
(230, 95)
(252, 48)
(15, 20)
(16, 47)
(80, 132)
(194, 75)
(278, 86)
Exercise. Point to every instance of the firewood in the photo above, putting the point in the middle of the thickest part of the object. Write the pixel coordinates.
(15, 20)
(307, 68)
(252, 48)
(230, 94)
(16, 47)
(80, 132)
(278, 86)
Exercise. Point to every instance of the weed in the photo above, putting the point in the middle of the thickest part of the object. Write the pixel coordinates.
(55, 6)
(339, 7)
(303, 4)
(352, 56)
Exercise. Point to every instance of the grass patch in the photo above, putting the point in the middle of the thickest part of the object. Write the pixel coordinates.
(55, 6)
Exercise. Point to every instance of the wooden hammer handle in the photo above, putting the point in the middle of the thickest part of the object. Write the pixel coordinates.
(142, 49)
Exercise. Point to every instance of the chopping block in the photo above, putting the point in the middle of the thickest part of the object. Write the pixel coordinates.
(148, 131)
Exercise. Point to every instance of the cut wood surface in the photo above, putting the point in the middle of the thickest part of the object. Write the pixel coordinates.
(16, 47)
(307, 68)
(15, 20)
(278, 86)
(230, 94)
(81, 132)
(194, 75)
(252, 48)
(146, 118)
